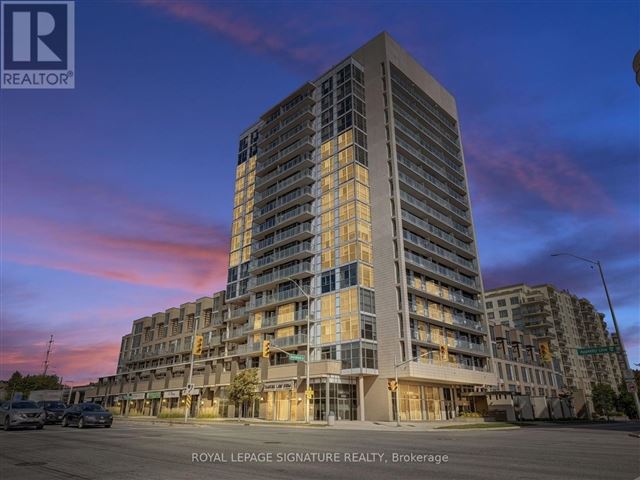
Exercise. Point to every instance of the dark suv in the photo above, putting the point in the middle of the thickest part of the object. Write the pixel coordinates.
(53, 409)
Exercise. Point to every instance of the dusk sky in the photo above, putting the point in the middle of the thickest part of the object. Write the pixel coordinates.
(117, 195)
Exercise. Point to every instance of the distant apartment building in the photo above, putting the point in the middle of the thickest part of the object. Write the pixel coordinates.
(562, 323)
(351, 206)
(520, 367)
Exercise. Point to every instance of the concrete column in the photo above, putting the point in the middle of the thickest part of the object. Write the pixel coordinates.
(326, 400)
(361, 398)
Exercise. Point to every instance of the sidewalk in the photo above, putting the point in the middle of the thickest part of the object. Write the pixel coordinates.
(339, 425)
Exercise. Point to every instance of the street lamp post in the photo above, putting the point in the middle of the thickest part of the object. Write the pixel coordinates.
(187, 406)
(308, 359)
(613, 318)
(395, 367)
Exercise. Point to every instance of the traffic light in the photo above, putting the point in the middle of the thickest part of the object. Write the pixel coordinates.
(392, 385)
(444, 352)
(266, 348)
(197, 344)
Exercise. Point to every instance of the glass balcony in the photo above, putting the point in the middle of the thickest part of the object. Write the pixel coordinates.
(433, 267)
(284, 342)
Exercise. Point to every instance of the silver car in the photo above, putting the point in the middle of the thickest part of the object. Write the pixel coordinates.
(21, 413)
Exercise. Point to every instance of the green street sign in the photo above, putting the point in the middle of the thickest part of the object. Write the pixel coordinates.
(152, 395)
(598, 350)
(296, 358)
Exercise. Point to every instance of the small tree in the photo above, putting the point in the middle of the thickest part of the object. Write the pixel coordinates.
(625, 403)
(244, 387)
(26, 384)
(603, 398)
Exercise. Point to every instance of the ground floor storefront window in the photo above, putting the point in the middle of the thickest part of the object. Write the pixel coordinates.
(426, 402)
(339, 398)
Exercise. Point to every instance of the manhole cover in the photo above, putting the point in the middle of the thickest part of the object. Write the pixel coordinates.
(30, 464)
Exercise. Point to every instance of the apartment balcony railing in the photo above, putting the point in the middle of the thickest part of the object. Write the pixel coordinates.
(247, 348)
(424, 159)
(299, 146)
(238, 313)
(447, 142)
(280, 275)
(285, 200)
(274, 145)
(267, 300)
(451, 342)
(235, 333)
(438, 250)
(270, 134)
(450, 319)
(438, 232)
(280, 220)
(304, 248)
(424, 174)
(424, 190)
(270, 322)
(423, 207)
(306, 158)
(301, 177)
(284, 342)
(439, 270)
(288, 234)
(399, 84)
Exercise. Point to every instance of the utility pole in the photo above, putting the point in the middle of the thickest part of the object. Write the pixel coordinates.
(46, 358)
(308, 359)
(628, 375)
(187, 404)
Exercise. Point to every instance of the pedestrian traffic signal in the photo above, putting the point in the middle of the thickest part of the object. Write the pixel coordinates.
(266, 348)
(392, 385)
(444, 352)
(198, 341)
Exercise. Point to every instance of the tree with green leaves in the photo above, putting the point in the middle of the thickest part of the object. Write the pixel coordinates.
(244, 387)
(624, 402)
(24, 385)
(604, 398)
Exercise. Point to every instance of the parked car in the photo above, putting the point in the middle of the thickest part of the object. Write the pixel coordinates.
(53, 410)
(87, 414)
(21, 413)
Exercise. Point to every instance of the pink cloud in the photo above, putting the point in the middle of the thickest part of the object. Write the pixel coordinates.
(240, 29)
(552, 176)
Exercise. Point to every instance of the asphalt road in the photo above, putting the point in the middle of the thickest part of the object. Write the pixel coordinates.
(144, 451)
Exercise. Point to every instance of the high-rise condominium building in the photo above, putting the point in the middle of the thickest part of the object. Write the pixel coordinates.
(351, 206)
(564, 323)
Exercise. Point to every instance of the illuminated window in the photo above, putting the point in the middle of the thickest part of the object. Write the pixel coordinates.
(345, 139)
(246, 239)
(326, 220)
(328, 259)
(348, 253)
(285, 332)
(347, 211)
(366, 276)
(326, 167)
(237, 212)
(364, 232)
(240, 171)
(326, 183)
(236, 242)
(286, 313)
(349, 327)
(328, 307)
(348, 232)
(326, 150)
(345, 156)
(251, 178)
(364, 252)
(236, 227)
(346, 192)
(362, 174)
(249, 205)
(326, 201)
(345, 173)
(234, 258)
(252, 163)
(328, 331)
(248, 220)
(327, 239)
(363, 192)
(364, 212)
(239, 184)
(349, 302)
(250, 191)
(246, 254)
(257, 320)
(238, 198)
